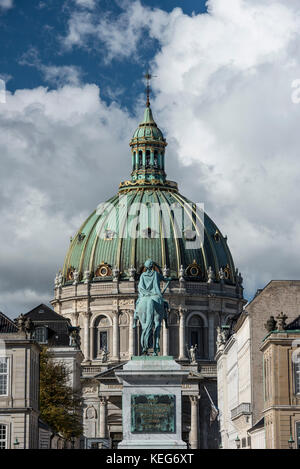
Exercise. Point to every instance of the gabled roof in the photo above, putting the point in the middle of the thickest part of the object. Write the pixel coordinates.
(7, 325)
(44, 313)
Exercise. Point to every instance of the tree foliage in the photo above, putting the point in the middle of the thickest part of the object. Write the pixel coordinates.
(60, 406)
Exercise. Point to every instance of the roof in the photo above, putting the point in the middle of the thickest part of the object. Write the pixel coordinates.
(44, 313)
(7, 325)
(259, 424)
(58, 327)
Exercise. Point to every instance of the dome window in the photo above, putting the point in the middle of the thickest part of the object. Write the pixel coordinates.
(70, 273)
(81, 237)
(194, 270)
(217, 236)
(103, 270)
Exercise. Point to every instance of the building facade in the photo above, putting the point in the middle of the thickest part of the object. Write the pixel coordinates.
(281, 361)
(240, 364)
(19, 388)
(98, 287)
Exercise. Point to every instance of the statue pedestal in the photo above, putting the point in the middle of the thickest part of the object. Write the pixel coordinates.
(151, 404)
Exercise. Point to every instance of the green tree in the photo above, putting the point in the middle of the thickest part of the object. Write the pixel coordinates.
(60, 406)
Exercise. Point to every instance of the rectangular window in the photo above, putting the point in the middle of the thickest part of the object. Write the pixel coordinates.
(41, 335)
(297, 376)
(3, 436)
(298, 434)
(103, 340)
(3, 376)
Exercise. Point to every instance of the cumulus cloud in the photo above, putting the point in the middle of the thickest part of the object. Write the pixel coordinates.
(58, 161)
(223, 94)
(86, 3)
(6, 4)
(223, 97)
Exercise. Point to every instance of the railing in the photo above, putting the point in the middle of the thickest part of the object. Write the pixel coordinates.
(244, 408)
(91, 370)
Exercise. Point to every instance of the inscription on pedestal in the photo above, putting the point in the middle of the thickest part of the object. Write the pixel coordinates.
(153, 413)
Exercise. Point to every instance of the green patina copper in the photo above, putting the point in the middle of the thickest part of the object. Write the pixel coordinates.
(151, 309)
(103, 238)
(153, 413)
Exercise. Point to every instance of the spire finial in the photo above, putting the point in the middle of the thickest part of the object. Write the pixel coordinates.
(148, 77)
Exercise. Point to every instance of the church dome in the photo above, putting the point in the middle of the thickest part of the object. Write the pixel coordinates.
(148, 218)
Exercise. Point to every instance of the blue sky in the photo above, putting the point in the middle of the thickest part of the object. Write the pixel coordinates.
(31, 33)
(226, 94)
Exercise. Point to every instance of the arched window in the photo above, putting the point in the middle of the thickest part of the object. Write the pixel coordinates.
(197, 335)
(147, 158)
(102, 338)
(140, 158)
(134, 160)
(155, 159)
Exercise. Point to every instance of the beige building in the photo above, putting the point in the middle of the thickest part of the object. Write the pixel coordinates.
(19, 388)
(281, 360)
(240, 365)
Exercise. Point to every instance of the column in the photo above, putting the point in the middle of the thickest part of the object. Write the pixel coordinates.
(194, 422)
(211, 335)
(182, 333)
(116, 338)
(86, 336)
(165, 340)
(92, 344)
(131, 335)
(103, 417)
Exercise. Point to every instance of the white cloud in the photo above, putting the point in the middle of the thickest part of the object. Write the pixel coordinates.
(59, 154)
(6, 4)
(224, 97)
(86, 3)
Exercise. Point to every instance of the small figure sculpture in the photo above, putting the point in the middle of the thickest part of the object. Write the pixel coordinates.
(193, 350)
(221, 275)
(181, 274)
(24, 325)
(221, 337)
(210, 275)
(20, 323)
(166, 271)
(281, 321)
(103, 355)
(75, 337)
(75, 277)
(86, 276)
(270, 325)
(151, 308)
(56, 281)
(115, 272)
(60, 279)
(131, 272)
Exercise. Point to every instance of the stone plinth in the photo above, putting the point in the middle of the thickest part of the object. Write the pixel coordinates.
(152, 393)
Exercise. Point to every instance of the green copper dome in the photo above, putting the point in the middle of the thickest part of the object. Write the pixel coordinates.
(148, 130)
(142, 222)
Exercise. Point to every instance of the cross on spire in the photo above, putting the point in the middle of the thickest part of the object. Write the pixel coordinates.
(148, 77)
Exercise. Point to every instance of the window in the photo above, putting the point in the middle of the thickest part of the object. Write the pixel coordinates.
(297, 375)
(140, 159)
(3, 436)
(147, 158)
(103, 340)
(298, 434)
(155, 159)
(41, 335)
(3, 376)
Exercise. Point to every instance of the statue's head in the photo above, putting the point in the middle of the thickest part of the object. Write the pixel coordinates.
(149, 264)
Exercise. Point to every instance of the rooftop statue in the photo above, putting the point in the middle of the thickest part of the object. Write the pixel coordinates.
(151, 309)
